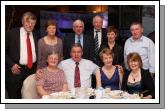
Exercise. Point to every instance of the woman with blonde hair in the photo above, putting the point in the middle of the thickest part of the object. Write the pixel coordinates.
(109, 76)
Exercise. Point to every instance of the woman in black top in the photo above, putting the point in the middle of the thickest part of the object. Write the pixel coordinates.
(117, 50)
(138, 80)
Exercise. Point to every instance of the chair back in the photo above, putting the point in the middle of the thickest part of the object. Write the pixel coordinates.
(29, 90)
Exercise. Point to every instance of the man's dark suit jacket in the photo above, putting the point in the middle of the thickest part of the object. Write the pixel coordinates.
(12, 46)
(104, 35)
(90, 32)
(12, 56)
(88, 46)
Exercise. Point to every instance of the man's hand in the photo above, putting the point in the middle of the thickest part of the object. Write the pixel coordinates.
(15, 69)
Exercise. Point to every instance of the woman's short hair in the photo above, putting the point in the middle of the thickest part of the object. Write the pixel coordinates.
(50, 23)
(134, 56)
(54, 53)
(106, 51)
(112, 29)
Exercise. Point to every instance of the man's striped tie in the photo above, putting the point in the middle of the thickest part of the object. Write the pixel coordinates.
(96, 44)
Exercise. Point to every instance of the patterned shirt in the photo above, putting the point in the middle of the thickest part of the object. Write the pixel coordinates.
(52, 81)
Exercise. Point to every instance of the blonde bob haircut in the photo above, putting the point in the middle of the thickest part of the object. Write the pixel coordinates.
(106, 51)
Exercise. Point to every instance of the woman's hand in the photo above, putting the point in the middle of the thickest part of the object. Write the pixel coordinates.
(38, 74)
(121, 73)
(147, 97)
(120, 69)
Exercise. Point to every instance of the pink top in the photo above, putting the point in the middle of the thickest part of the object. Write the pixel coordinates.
(51, 81)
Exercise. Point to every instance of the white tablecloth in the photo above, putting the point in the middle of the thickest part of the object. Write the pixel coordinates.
(80, 93)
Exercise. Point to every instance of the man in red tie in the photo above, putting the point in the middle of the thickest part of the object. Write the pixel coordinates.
(20, 57)
(78, 71)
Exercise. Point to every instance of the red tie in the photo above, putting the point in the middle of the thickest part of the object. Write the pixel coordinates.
(29, 52)
(77, 82)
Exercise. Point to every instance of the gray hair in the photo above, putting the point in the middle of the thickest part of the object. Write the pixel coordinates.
(78, 20)
(97, 16)
(29, 15)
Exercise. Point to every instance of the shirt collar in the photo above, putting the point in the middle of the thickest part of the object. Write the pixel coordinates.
(140, 39)
(24, 31)
(76, 36)
(97, 30)
(75, 62)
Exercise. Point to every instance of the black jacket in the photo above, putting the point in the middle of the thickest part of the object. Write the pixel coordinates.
(12, 46)
(146, 83)
(88, 46)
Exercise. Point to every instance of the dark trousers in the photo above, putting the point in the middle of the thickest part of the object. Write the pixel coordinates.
(14, 82)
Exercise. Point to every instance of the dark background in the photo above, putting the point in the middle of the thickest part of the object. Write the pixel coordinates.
(120, 16)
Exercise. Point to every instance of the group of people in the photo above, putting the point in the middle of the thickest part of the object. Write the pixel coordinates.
(64, 64)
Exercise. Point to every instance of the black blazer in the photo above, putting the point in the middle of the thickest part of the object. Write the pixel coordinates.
(88, 46)
(12, 46)
(90, 32)
(146, 83)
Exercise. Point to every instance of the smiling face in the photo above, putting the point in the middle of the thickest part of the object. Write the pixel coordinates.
(134, 64)
(28, 24)
(111, 36)
(136, 30)
(51, 30)
(76, 53)
(53, 60)
(134, 61)
(78, 27)
(106, 56)
(107, 59)
(97, 22)
(28, 21)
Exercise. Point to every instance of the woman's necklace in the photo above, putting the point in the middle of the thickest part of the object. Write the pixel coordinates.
(134, 77)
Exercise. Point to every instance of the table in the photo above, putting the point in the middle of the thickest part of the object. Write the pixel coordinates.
(89, 93)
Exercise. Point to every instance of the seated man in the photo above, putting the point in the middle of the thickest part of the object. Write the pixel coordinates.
(78, 70)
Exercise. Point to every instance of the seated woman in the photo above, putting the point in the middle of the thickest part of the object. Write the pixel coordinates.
(138, 80)
(109, 76)
(52, 79)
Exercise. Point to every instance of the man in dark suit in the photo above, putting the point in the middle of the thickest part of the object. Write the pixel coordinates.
(101, 39)
(20, 57)
(78, 37)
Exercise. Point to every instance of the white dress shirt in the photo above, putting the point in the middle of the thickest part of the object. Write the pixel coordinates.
(86, 68)
(146, 49)
(99, 36)
(23, 47)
